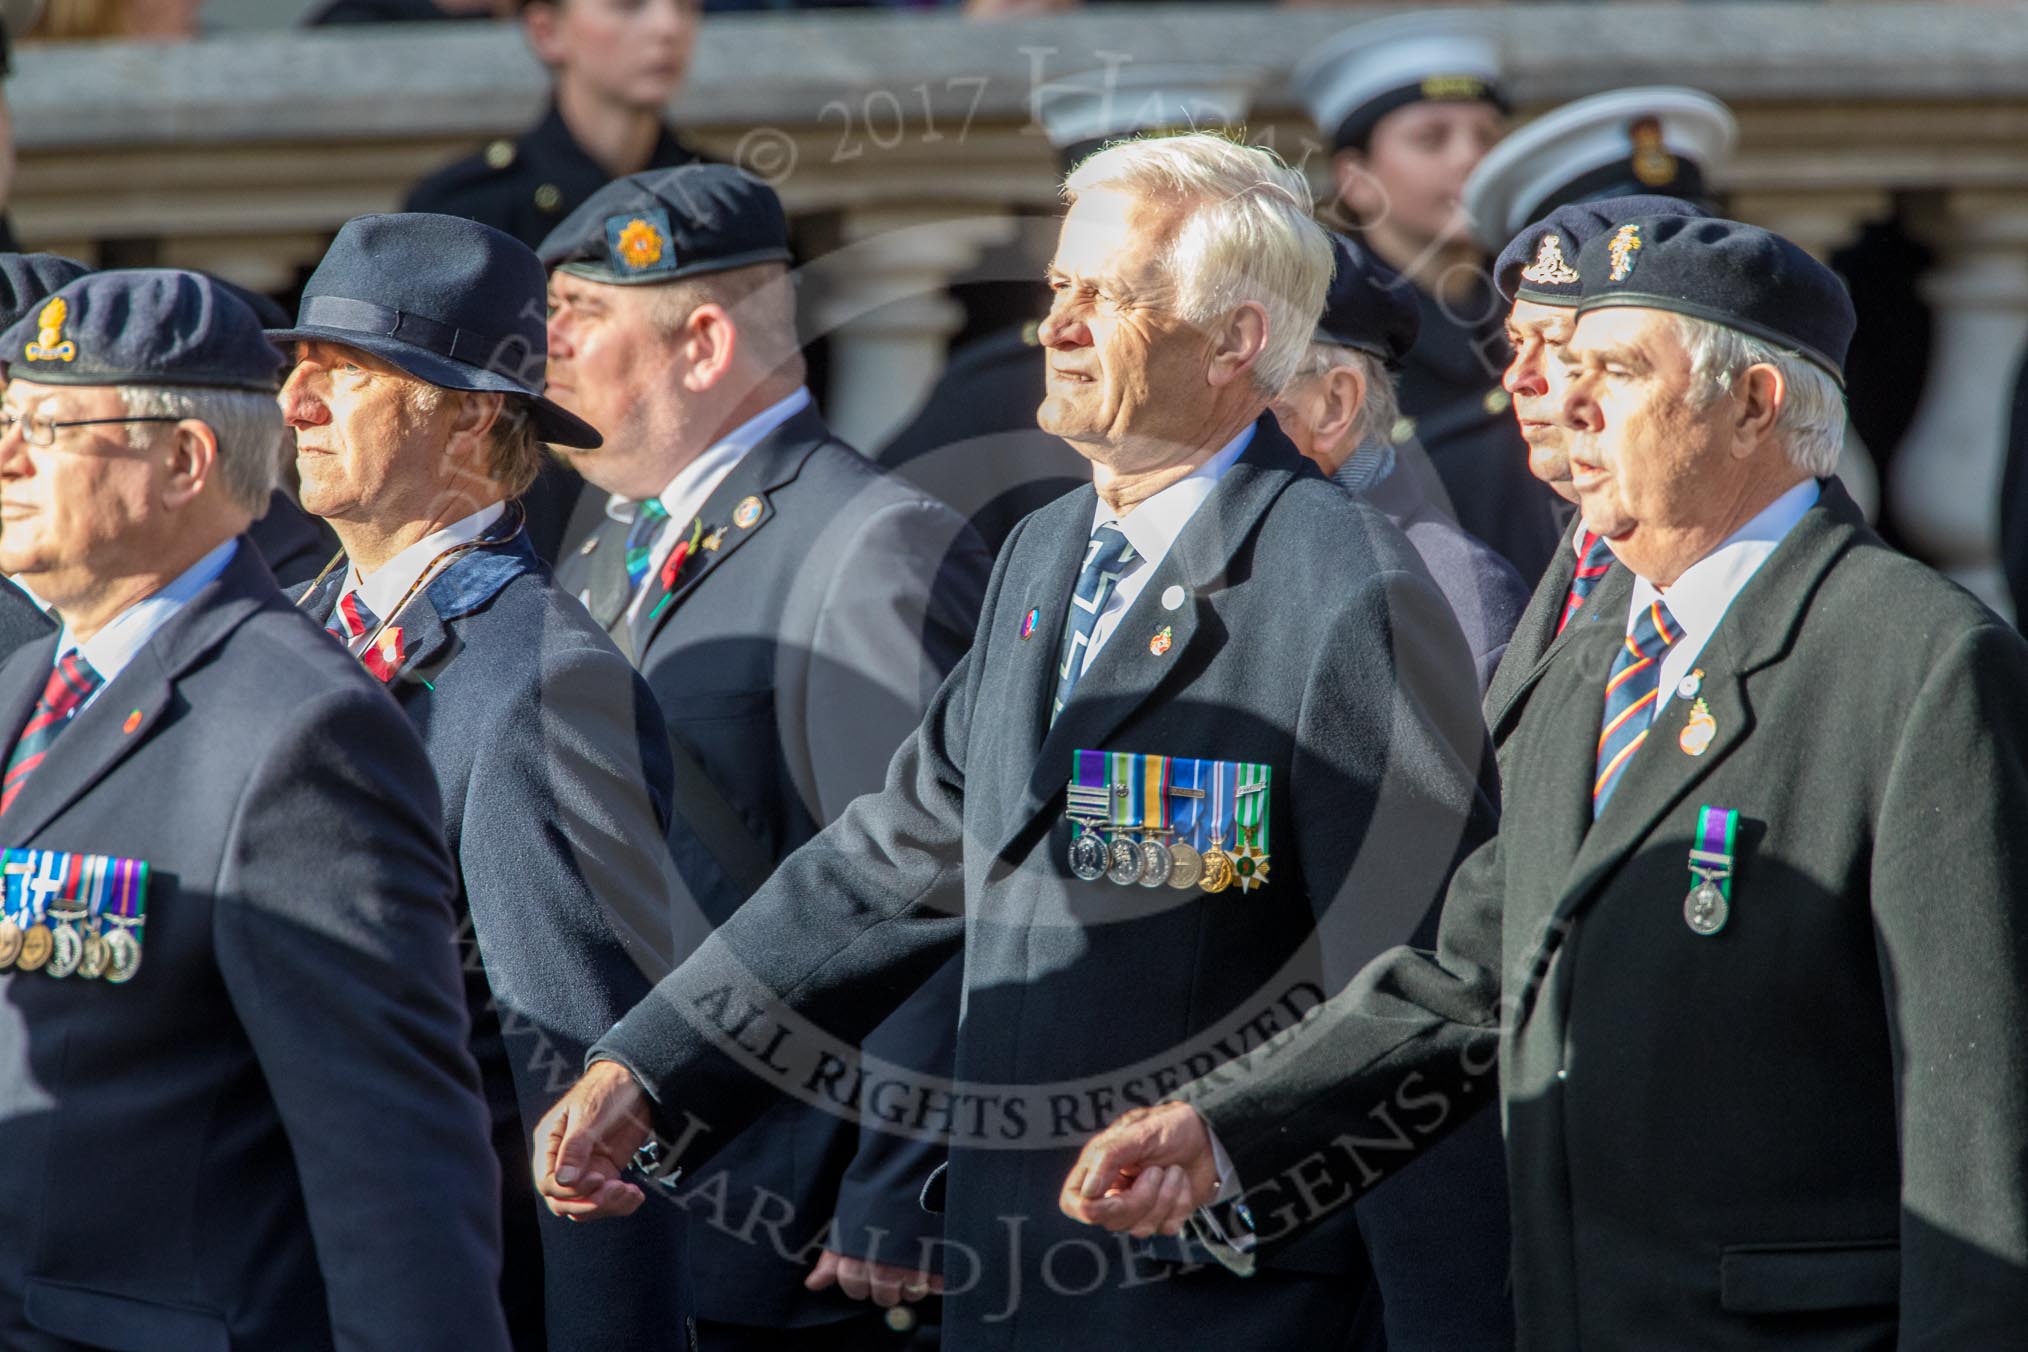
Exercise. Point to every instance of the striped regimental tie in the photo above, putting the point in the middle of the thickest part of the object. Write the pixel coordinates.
(1593, 562)
(1631, 692)
(1107, 558)
(649, 514)
(351, 618)
(70, 685)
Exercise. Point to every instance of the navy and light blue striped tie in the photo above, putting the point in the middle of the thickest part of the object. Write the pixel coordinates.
(1107, 558)
(1631, 692)
(649, 514)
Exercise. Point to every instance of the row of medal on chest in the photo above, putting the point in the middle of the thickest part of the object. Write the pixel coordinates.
(65, 914)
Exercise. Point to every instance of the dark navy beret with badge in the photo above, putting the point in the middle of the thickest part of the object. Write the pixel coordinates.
(1725, 272)
(148, 326)
(668, 224)
(450, 301)
(1370, 307)
(29, 279)
(1540, 263)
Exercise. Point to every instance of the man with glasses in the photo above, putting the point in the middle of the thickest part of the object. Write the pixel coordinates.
(26, 281)
(229, 1000)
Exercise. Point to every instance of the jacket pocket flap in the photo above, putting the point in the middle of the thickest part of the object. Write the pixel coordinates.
(121, 1323)
(1788, 1278)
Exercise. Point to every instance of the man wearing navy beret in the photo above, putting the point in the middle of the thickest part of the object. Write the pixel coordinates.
(230, 1019)
(1749, 938)
(1340, 411)
(416, 401)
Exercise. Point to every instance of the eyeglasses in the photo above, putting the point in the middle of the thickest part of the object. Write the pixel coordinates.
(37, 431)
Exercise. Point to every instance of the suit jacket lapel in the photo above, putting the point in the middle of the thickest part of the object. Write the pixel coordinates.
(775, 461)
(127, 710)
(1128, 670)
(607, 592)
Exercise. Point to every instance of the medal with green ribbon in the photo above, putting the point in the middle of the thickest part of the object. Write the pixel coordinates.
(1250, 816)
(1709, 904)
(1089, 802)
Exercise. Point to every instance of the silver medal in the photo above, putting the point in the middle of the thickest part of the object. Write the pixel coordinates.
(1706, 910)
(1088, 856)
(1126, 862)
(1155, 863)
(69, 948)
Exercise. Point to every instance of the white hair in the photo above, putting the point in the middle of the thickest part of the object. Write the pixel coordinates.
(1379, 409)
(248, 426)
(1811, 421)
(1250, 235)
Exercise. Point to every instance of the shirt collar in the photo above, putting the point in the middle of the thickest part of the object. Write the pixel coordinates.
(113, 648)
(385, 587)
(681, 497)
(1154, 524)
(1698, 599)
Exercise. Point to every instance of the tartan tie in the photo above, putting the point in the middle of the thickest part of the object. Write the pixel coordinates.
(649, 514)
(351, 618)
(1594, 561)
(70, 685)
(1631, 692)
(1107, 558)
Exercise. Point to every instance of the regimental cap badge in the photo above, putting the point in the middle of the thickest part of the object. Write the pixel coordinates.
(1550, 268)
(50, 344)
(1651, 162)
(1454, 87)
(639, 242)
(1625, 244)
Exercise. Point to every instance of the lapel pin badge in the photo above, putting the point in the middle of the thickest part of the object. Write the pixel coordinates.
(1698, 732)
(588, 546)
(133, 723)
(748, 512)
(1029, 621)
(1161, 642)
(714, 540)
(1173, 598)
(1688, 687)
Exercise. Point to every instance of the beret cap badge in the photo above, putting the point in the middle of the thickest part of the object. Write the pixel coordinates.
(639, 242)
(1625, 244)
(1550, 268)
(50, 344)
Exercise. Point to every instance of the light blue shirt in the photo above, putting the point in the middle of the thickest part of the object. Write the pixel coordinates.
(113, 648)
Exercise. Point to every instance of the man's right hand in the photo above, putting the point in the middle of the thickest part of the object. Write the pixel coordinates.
(1145, 1173)
(583, 1143)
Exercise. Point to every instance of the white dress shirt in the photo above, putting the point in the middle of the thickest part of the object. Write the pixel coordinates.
(694, 484)
(1151, 528)
(114, 647)
(383, 589)
(1698, 599)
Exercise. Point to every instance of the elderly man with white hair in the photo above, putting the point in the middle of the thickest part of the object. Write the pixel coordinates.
(1140, 807)
(1749, 940)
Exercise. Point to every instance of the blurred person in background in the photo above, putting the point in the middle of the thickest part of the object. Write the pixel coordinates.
(617, 64)
(405, 11)
(1410, 105)
(74, 20)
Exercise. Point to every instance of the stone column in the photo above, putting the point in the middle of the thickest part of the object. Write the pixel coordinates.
(1946, 476)
(882, 304)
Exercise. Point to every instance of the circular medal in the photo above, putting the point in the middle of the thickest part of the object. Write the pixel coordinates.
(1186, 866)
(10, 943)
(1088, 856)
(1126, 862)
(36, 946)
(1217, 870)
(1706, 910)
(68, 948)
(1155, 863)
(92, 965)
(123, 956)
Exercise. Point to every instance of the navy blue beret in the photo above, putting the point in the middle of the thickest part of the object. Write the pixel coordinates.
(1540, 263)
(1726, 272)
(148, 326)
(1370, 306)
(27, 280)
(667, 224)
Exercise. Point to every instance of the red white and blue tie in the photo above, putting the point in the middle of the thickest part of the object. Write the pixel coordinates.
(351, 618)
(1595, 560)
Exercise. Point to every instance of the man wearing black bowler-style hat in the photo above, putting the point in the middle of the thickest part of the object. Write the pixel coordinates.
(794, 609)
(416, 399)
(1749, 937)
(26, 281)
(230, 1017)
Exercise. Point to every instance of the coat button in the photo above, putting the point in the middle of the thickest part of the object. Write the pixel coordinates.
(548, 197)
(500, 154)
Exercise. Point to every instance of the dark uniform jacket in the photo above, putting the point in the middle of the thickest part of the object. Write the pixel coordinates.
(975, 444)
(272, 1136)
(1806, 1131)
(1301, 634)
(526, 187)
(792, 660)
(21, 620)
(1451, 397)
(553, 767)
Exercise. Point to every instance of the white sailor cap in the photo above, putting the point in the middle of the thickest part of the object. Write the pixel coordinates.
(1083, 112)
(1657, 139)
(1370, 70)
